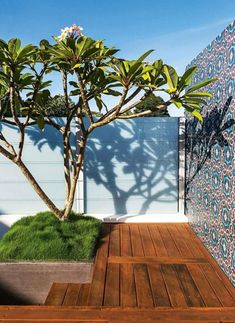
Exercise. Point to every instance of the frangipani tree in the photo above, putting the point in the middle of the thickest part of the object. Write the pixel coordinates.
(96, 71)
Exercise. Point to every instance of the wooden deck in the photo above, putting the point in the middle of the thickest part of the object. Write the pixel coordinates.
(143, 273)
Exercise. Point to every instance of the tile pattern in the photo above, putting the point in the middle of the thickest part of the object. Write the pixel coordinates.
(210, 150)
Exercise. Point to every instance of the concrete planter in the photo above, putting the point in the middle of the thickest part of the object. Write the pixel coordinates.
(28, 283)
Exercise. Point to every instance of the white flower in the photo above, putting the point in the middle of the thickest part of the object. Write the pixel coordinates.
(73, 31)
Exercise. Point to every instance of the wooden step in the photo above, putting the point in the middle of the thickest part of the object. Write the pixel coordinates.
(68, 294)
(61, 314)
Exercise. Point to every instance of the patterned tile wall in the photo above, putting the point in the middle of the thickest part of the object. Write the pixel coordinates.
(210, 150)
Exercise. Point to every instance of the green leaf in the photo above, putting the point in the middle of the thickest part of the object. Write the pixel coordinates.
(77, 66)
(122, 68)
(98, 102)
(41, 122)
(45, 84)
(26, 51)
(111, 92)
(142, 57)
(186, 79)
(195, 106)
(83, 44)
(200, 94)
(171, 76)
(74, 92)
(75, 84)
(104, 69)
(170, 91)
(201, 84)
(195, 100)
(177, 103)
(61, 52)
(14, 45)
(197, 115)
(44, 44)
(24, 108)
(115, 77)
(3, 44)
(158, 65)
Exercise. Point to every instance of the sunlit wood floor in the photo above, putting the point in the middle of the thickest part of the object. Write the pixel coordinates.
(143, 273)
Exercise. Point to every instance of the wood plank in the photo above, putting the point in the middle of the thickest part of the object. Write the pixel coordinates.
(156, 260)
(122, 279)
(125, 240)
(170, 246)
(159, 292)
(96, 294)
(158, 244)
(112, 288)
(147, 242)
(56, 294)
(179, 239)
(209, 297)
(115, 315)
(57, 321)
(174, 290)
(136, 242)
(215, 265)
(114, 245)
(217, 284)
(143, 290)
(112, 320)
(191, 293)
(71, 295)
(191, 239)
(83, 295)
(127, 286)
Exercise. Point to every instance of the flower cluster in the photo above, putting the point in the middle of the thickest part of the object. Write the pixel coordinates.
(73, 31)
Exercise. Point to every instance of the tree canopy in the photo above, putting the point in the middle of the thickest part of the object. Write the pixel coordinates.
(89, 71)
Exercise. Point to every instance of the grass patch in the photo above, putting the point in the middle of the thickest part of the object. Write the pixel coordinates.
(43, 237)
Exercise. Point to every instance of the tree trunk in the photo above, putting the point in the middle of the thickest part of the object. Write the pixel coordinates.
(39, 190)
(70, 199)
(74, 180)
(66, 166)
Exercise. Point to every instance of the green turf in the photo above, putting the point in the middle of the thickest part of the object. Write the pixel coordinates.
(43, 237)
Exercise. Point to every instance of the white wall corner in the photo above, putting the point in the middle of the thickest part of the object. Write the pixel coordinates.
(182, 165)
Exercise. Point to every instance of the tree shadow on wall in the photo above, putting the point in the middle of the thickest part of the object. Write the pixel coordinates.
(200, 139)
(129, 167)
(122, 164)
(46, 137)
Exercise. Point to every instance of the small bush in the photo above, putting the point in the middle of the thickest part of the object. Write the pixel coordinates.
(43, 237)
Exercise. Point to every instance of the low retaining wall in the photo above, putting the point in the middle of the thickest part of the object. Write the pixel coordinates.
(29, 283)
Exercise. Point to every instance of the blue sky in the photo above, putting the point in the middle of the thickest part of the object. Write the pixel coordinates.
(177, 29)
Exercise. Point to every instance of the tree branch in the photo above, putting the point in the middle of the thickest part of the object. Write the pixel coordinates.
(135, 115)
(38, 188)
(65, 89)
(122, 100)
(6, 153)
(118, 106)
(49, 121)
(160, 107)
(39, 77)
(133, 105)
(84, 97)
(15, 117)
(7, 144)
(133, 95)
